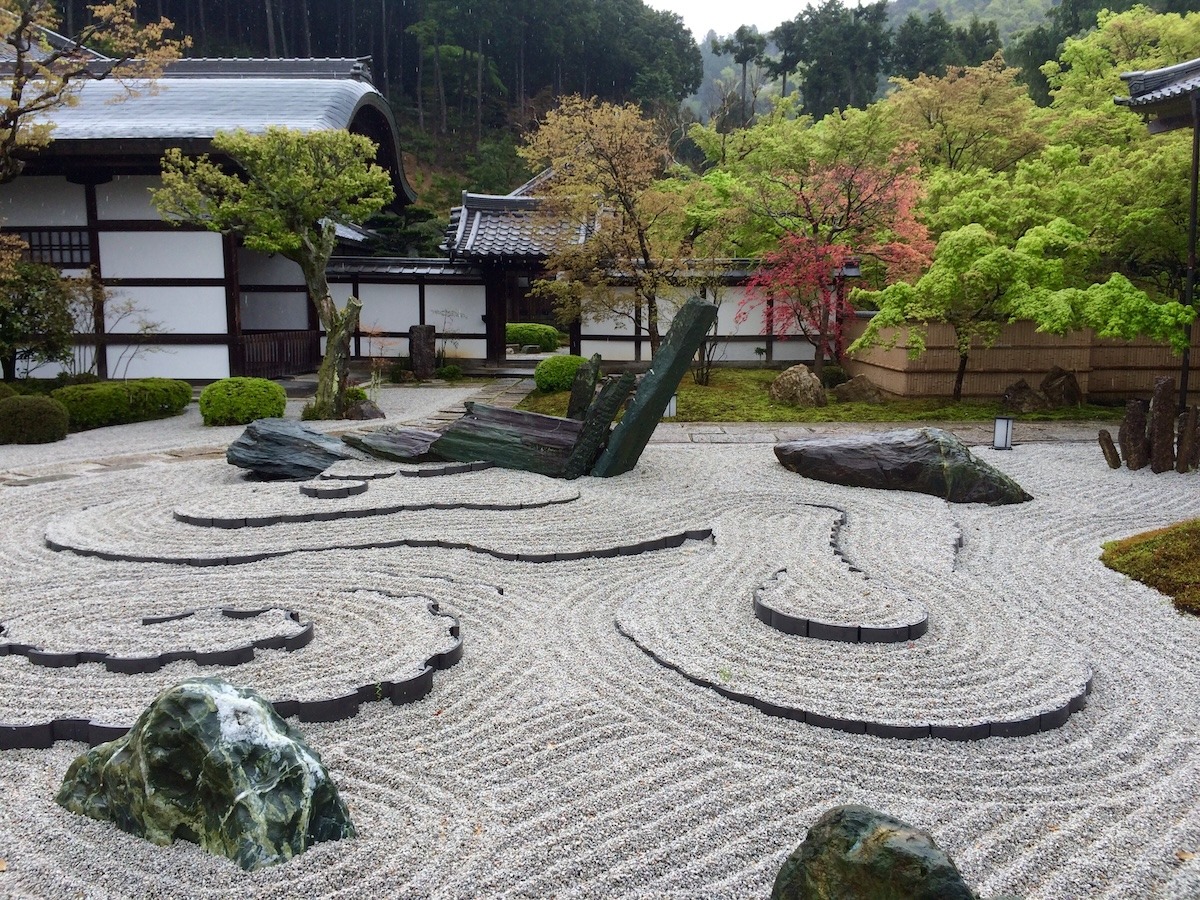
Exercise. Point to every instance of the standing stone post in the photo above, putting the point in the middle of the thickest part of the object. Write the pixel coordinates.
(1161, 430)
(421, 350)
(1135, 446)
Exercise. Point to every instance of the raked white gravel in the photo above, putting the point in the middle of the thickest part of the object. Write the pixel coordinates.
(557, 758)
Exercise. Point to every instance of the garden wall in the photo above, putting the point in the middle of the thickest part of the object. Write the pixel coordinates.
(1107, 370)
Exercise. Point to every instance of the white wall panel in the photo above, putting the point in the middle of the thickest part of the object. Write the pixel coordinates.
(727, 311)
(468, 300)
(390, 307)
(610, 351)
(164, 361)
(182, 310)
(161, 254)
(38, 201)
(793, 351)
(260, 268)
(127, 197)
(739, 352)
(467, 348)
(274, 311)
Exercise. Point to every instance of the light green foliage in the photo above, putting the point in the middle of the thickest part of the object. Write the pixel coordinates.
(977, 283)
(36, 322)
(556, 373)
(528, 333)
(288, 190)
(32, 420)
(239, 401)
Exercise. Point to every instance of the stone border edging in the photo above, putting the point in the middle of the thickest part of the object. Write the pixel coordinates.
(428, 471)
(800, 626)
(1030, 725)
(42, 735)
(338, 490)
(141, 665)
(335, 515)
(663, 543)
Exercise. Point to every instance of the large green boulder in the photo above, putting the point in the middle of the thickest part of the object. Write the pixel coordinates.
(926, 460)
(858, 852)
(214, 764)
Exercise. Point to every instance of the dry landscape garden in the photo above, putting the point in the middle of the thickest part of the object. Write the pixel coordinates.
(471, 609)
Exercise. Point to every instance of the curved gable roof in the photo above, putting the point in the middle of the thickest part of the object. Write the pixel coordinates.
(194, 99)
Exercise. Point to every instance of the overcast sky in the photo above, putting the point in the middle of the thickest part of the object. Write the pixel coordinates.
(724, 17)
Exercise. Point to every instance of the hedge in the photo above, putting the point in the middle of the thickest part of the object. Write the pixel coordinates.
(239, 401)
(523, 333)
(120, 402)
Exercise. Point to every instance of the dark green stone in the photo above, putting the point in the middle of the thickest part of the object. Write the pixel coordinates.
(632, 434)
(596, 421)
(925, 460)
(510, 438)
(583, 388)
(857, 852)
(213, 764)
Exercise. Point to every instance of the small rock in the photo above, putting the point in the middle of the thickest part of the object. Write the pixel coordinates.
(1061, 388)
(1020, 397)
(396, 444)
(1110, 452)
(858, 852)
(798, 386)
(859, 389)
(367, 409)
(213, 764)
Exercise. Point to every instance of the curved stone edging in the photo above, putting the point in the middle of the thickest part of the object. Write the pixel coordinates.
(1030, 725)
(140, 665)
(827, 631)
(801, 626)
(663, 543)
(334, 515)
(429, 471)
(42, 735)
(345, 487)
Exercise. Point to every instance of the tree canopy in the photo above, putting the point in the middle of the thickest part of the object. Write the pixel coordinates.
(284, 193)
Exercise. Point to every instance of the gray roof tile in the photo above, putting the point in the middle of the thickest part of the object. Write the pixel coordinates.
(489, 227)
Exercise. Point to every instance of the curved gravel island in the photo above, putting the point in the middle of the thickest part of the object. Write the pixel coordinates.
(558, 757)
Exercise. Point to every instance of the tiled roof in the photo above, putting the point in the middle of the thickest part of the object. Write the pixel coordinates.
(1163, 96)
(199, 107)
(55, 40)
(496, 228)
(389, 266)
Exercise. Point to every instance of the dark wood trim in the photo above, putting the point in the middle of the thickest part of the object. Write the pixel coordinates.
(421, 301)
(97, 273)
(769, 334)
(358, 330)
(165, 282)
(233, 306)
(495, 315)
(275, 288)
(148, 225)
(167, 337)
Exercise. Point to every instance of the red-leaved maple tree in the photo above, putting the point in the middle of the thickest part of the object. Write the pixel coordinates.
(834, 216)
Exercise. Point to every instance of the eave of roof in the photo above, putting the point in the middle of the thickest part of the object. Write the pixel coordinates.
(1163, 96)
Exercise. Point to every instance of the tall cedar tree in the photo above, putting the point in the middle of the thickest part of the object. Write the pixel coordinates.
(282, 194)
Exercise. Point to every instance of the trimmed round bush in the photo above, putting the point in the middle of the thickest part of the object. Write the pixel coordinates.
(545, 336)
(557, 373)
(449, 373)
(120, 402)
(32, 419)
(6, 391)
(239, 401)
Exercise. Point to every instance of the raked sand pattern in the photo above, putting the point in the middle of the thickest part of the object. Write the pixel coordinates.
(558, 758)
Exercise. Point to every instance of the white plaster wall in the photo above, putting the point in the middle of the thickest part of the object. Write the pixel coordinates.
(260, 268)
(201, 361)
(611, 351)
(274, 311)
(43, 202)
(793, 351)
(739, 351)
(390, 307)
(464, 348)
(728, 309)
(469, 300)
(182, 310)
(155, 254)
(127, 197)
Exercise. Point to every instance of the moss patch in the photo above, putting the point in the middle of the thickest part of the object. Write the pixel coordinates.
(1167, 560)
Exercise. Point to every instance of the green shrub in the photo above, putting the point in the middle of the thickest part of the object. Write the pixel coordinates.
(95, 405)
(239, 401)
(32, 420)
(832, 375)
(449, 373)
(545, 336)
(6, 391)
(400, 371)
(557, 373)
(355, 396)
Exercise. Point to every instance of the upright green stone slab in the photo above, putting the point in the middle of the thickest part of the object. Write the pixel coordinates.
(583, 388)
(670, 364)
(596, 420)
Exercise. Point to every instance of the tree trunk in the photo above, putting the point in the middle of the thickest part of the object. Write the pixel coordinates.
(959, 376)
(478, 87)
(9, 365)
(270, 11)
(334, 374)
(439, 83)
(652, 325)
